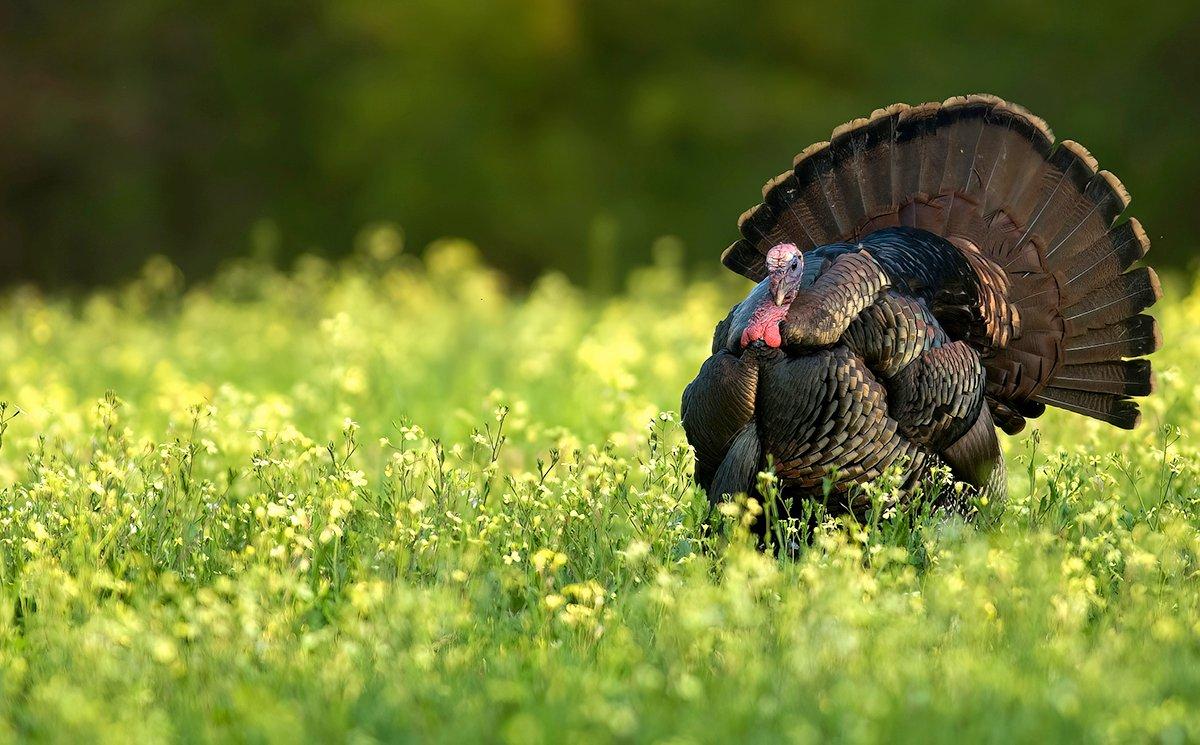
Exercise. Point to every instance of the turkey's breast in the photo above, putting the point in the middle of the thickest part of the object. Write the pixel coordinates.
(823, 415)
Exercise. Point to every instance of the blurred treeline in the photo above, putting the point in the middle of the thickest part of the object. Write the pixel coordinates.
(554, 133)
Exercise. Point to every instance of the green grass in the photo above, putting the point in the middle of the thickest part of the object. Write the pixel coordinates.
(394, 501)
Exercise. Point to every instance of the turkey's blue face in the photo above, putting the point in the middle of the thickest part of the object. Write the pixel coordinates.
(785, 271)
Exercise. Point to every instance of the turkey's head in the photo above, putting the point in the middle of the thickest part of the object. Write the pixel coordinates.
(785, 271)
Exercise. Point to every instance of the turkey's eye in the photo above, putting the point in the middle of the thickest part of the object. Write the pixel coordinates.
(795, 265)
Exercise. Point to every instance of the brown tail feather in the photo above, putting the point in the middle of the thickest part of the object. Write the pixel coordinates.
(821, 197)
(1126, 295)
(876, 163)
(1035, 220)
(1091, 215)
(1132, 337)
(1116, 410)
(849, 148)
(963, 134)
(1062, 182)
(1099, 264)
(1124, 378)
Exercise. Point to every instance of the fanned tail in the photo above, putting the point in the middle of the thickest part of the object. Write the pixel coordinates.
(1037, 222)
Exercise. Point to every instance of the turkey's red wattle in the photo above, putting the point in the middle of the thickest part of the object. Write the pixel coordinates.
(764, 324)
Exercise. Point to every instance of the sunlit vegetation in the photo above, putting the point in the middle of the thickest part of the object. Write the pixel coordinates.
(396, 499)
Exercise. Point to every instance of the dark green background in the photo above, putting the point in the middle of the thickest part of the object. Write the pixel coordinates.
(554, 133)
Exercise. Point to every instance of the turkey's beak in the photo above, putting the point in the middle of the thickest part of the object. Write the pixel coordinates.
(779, 290)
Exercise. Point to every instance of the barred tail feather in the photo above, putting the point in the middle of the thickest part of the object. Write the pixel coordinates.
(1132, 337)
(1116, 410)
(1107, 256)
(1124, 378)
(1125, 296)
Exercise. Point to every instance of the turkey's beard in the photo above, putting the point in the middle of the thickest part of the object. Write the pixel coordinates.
(764, 324)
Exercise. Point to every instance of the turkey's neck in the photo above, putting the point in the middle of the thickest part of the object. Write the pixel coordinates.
(764, 324)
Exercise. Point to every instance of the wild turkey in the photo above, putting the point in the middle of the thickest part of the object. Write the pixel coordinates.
(929, 273)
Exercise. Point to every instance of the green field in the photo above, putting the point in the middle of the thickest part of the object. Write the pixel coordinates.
(398, 501)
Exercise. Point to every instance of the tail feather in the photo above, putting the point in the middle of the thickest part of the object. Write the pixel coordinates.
(1064, 178)
(963, 135)
(1123, 378)
(878, 168)
(806, 202)
(913, 127)
(1109, 255)
(935, 150)
(1116, 410)
(1126, 295)
(847, 146)
(1131, 337)
(1019, 166)
(1091, 215)
(781, 199)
